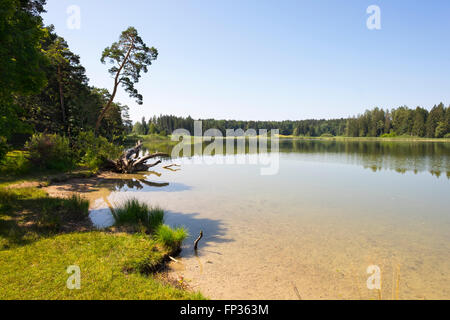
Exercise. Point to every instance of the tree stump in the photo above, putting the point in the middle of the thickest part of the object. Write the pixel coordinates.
(131, 162)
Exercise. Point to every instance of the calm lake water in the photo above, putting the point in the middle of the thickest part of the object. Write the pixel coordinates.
(312, 230)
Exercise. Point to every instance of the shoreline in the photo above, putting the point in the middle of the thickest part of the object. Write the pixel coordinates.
(146, 257)
(159, 138)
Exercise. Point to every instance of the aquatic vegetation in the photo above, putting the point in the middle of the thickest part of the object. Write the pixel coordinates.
(133, 212)
(138, 214)
(169, 237)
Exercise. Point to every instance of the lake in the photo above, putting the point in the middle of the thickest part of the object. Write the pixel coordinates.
(311, 231)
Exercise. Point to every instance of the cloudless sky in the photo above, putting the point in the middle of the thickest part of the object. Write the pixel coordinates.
(270, 60)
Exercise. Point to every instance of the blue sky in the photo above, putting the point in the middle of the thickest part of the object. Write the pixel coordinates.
(270, 60)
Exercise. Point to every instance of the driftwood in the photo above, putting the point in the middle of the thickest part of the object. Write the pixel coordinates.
(169, 167)
(198, 239)
(130, 161)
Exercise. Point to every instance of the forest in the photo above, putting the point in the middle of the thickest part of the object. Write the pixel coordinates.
(377, 122)
(47, 106)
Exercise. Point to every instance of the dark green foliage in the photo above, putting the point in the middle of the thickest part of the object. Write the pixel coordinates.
(3, 148)
(15, 163)
(419, 122)
(152, 129)
(139, 129)
(93, 151)
(50, 151)
(21, 60)
(67, 105)
(43, 86)
(129, 56)
(373, 123)
(436, 115)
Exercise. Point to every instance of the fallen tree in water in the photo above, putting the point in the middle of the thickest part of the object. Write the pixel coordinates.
(131, 161)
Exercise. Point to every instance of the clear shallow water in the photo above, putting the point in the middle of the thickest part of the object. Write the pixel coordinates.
(311, 230)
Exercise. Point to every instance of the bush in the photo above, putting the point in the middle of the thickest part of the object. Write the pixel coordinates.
(327, 135)
(15, 163)
(132, 212)
(93, 151)
(170, 238)
(392, 134)
(3, 148)
(51, 151)
(447, 136)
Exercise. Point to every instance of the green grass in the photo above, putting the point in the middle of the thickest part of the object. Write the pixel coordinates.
(40, 237)
(113, 266)
(132, 212)
(170, 238)
(15, 163)
(140, 216)
(28, 214)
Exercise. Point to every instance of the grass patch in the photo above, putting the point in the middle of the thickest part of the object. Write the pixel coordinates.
(111, 266)
(170, 238)
(40, 237)
(15, 163)
(132, 212)
(28, 214)
(141, 216)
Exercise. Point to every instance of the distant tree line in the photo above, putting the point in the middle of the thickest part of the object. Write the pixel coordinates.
(377, 122)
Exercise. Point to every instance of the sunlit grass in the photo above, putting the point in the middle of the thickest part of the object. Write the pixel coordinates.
(169, 237)
(137, 214)
(133, 212)
(35, 251)
(112, 266)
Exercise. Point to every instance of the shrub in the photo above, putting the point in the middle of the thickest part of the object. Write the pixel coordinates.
(170, 238)
(93, 151)
(391, 134)
(327, 135)
(3, 148)
(50, 151)
(132, 212)
(15, 163)
(447, 136)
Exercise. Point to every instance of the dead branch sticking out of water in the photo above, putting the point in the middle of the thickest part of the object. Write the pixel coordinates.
(170, 167)
(296, 291)
(131, 162)
(197, 240)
